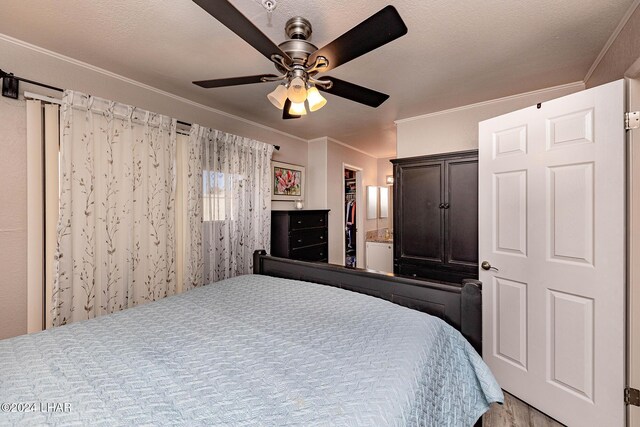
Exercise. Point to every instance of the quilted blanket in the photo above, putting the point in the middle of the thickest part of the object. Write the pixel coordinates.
(252, 350)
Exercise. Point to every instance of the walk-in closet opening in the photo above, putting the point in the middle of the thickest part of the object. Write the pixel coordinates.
(353, 251)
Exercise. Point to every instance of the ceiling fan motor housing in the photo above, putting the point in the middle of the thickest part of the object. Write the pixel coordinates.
(298, 30)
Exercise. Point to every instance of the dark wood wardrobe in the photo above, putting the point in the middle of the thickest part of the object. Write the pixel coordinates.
(435, 216)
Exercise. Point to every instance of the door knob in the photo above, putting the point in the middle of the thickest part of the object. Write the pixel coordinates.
(486, 266)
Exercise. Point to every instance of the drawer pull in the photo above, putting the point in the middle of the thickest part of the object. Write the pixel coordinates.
(299, 240)
(299, 221)
(321, 254)
(321, 237)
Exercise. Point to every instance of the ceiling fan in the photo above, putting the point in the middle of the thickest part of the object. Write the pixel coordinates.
(299, 62)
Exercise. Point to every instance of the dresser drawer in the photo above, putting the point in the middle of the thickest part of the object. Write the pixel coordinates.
(300, 220)
(300, 234)
(311, 253)
(307, 237)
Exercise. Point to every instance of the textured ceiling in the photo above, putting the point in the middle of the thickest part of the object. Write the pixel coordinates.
(456, 52)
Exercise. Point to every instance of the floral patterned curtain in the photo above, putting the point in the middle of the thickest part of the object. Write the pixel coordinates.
(228, 205)
(116, 232)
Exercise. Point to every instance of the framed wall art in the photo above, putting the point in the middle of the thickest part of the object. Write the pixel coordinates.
(287, 181)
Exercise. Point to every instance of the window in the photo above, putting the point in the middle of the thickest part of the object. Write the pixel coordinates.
(217, 196)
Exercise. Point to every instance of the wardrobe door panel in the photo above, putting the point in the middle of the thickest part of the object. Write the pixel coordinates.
(422, 221)
(461, 214)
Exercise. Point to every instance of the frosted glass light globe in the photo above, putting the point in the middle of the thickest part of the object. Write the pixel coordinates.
(297, 92)
(315, 100)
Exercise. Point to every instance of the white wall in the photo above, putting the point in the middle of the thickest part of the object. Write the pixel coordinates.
(457, 129)
(316, 196)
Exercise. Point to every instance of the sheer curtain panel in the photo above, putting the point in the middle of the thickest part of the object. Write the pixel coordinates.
(116, 232)
(228, 205)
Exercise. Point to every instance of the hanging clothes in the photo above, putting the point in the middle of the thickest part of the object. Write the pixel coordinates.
(351, 223)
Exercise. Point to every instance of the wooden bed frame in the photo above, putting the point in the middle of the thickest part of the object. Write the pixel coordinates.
(459, 305)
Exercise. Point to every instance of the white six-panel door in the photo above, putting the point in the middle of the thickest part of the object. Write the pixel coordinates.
(552, 222)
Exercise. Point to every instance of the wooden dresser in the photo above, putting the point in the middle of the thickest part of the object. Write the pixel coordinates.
(300, 234)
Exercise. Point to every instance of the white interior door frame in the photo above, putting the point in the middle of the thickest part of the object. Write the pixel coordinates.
(360, 211)
(633, 248)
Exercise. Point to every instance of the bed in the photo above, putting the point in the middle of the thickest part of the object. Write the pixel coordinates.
(260, 349)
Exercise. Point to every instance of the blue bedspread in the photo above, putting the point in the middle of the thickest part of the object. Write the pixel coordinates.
(252, 350)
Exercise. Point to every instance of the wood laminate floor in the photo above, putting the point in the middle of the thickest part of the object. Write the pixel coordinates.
(516, 413)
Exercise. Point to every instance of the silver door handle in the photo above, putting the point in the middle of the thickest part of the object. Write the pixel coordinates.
(486, 266)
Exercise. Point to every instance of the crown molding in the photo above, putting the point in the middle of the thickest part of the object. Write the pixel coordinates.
(344, 144)
(335, 141)
(574, 85)
(612, 39)
(141, 85)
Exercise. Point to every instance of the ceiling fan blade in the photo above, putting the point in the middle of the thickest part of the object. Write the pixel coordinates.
(378, 30)
(285, 111)
(234, 20)
(233, 81)
(354, 92)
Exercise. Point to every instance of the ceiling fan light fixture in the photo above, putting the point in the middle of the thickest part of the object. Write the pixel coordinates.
(297, 109)
(297, 91)
(315, 100)
(298, 61)
(278, 96)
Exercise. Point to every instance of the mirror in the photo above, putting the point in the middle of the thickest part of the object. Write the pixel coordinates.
(384, 202)
(372, 202)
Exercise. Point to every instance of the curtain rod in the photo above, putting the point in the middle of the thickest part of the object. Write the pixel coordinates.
(13, 92)
(180, 122)
(10, 76)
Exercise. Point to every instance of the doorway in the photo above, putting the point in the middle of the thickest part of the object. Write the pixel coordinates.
(353, 253)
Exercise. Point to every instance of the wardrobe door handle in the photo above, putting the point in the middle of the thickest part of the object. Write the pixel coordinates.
(446, 206)
(441, 205)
